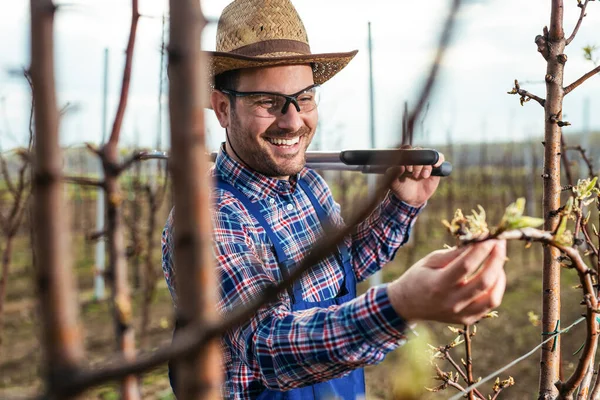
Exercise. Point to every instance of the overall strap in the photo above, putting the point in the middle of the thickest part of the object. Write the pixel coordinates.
(325, 220)
(282, 261)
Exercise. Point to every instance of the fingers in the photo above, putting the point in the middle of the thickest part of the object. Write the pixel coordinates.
(468, 262)
(422, 171)
(484, 279)
(441, 258)
(484, 303)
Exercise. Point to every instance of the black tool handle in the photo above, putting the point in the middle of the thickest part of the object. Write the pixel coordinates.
(389, 157)
(443, 170)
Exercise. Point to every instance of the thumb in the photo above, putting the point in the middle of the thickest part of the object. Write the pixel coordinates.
(441, 258)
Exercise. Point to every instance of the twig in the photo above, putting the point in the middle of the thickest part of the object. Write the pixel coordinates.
(125, 165)
(566, 163)
(579, 81)
(78, 180)
(6, 175)
(458, 369)
(525, 95)
(584, 272)
(588, 162)
(517, 360)
(94, 236)
(468, 359)
(433, 72)
(581, 15)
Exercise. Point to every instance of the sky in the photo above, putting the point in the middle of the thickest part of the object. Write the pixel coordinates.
(493, 46)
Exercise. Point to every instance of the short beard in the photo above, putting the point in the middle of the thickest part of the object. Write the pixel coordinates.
(252, 154)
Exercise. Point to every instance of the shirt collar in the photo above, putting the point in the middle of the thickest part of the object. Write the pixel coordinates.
(253, 184)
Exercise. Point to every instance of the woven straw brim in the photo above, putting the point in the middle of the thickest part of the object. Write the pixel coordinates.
(324, 66)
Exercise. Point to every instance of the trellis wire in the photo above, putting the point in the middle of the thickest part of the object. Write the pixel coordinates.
(514, 362)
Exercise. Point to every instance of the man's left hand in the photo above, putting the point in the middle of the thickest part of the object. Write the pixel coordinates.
(414, 184)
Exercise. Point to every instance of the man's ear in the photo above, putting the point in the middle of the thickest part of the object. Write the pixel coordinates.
(221, 105)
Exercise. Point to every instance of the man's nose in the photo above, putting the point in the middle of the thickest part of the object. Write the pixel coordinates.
(291, 120)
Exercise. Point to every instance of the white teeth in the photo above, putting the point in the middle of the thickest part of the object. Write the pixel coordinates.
(284, 142)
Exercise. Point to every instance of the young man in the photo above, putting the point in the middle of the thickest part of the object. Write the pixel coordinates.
(270, 209)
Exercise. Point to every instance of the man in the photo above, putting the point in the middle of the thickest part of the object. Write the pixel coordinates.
(269, 210)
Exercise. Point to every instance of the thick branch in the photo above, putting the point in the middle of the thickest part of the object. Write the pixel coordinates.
(581, 15)
(61, 337)
(579, 81)
(116, 129)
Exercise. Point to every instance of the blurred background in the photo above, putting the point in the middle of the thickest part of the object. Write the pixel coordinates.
(493, 142)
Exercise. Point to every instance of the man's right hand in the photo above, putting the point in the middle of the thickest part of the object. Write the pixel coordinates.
(449, 285)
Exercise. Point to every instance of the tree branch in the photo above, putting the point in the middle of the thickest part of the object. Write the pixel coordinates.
(468, 360)
(579, 81)
(116, 129)
(581, 15)
(585, 276)
(125, 165)
(448, 357)
(6, 175)
(525, 95)
(61, 336)
(433, 72)
(78, 180)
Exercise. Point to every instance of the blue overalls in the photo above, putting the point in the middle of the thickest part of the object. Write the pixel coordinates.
(349, 387)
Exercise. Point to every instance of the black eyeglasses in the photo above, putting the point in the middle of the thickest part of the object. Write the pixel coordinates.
(269, 104)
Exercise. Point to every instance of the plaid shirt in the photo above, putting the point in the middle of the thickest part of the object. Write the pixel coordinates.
(277, 348)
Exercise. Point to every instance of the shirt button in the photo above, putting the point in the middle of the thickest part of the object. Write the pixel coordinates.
(272, 200)
(290, 207)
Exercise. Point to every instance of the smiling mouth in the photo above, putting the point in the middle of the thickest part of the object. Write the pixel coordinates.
(283, 142)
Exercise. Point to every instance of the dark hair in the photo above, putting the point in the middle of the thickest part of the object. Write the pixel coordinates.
(228, 80)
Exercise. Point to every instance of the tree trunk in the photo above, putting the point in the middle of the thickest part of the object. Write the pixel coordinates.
(199, 375)
(550, 358)
(61, 336)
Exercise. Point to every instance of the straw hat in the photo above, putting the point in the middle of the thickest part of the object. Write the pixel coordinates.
(261, 33)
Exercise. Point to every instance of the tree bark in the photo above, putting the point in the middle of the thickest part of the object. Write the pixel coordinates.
(199, 376)
(550, 358)
(61, 336)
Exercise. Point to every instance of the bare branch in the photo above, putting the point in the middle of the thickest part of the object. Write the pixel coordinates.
(116, 129)
(581, 15)
(469, 360)
(27, 76)
(61, 337)
(433, 72)
(585, 276)
(586, 159)
(7, 178)
(94, 236)
(458, 369)
(579, 81)
(78, 180)
(130, 161)
(525, 95)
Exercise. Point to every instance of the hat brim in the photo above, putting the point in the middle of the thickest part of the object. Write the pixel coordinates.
(324, 66)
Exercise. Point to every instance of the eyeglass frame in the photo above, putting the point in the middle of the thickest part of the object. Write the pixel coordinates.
(289, 98)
